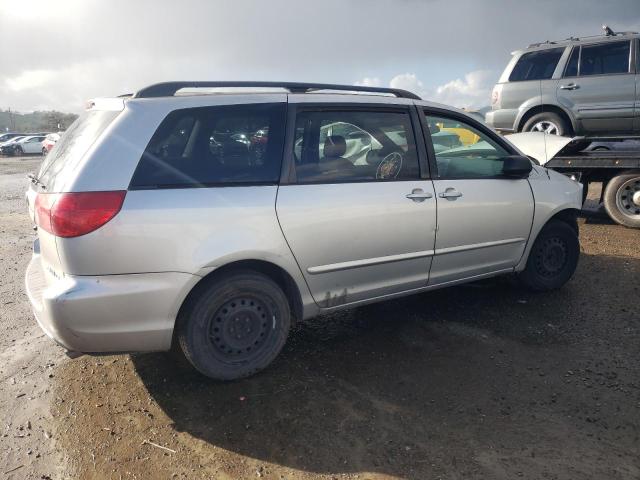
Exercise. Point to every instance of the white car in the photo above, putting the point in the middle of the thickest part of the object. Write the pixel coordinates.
(29, 144)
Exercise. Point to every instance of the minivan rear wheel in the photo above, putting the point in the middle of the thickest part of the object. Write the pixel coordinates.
(553, 258)
(547, 122)
(235, 326)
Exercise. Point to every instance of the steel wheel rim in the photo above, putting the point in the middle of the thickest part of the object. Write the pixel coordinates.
(552, 257)
(628, 198)
(546, 126)
(240, 328)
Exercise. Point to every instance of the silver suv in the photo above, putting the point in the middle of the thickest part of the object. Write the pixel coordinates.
(579, 86)
(214, 222)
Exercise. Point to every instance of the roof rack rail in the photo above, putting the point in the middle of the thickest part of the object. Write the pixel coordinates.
(539, 44)
(168, 89)
(608, 33)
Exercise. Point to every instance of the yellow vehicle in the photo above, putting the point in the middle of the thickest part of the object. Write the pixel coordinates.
(467, 137)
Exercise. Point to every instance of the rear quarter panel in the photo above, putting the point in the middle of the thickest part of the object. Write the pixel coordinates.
(190, 230)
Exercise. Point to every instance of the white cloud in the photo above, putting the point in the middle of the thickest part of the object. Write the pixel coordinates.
(472, 91)
(29, 79)
(407, 81)
(369, 82)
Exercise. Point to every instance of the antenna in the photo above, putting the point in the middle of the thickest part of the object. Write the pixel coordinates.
(607, 31)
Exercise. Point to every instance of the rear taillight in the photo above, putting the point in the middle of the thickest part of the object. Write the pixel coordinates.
(75, 214)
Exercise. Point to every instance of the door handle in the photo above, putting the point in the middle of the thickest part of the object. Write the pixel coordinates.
(418, 195)
(451, 193)
(571, 86)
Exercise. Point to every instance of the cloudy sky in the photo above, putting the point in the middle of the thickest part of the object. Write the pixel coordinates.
(58, 53)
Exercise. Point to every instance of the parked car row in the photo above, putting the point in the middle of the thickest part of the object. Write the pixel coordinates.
(27, 143)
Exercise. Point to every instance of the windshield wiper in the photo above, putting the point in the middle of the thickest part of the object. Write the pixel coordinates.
(32, 177)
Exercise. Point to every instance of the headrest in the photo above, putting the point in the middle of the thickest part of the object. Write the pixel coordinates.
(335, 146)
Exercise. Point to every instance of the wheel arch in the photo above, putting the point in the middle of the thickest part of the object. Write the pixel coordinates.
(546, 108)
(568, 215)
(275, 272)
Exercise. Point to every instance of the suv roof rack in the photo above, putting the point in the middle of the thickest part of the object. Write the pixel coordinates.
(169, 89)
(608, 32)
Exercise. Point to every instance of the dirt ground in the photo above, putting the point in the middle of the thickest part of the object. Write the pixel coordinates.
(479, 381)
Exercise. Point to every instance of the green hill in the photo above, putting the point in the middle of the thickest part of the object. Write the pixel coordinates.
(51, 121)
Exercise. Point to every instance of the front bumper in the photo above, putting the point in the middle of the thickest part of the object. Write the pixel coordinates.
(110, 313)
(7, 150)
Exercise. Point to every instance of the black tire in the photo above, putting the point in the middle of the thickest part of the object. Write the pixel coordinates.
(562, 126)
(44, 152)
(18, 151)
(234, 326)
(553, 258)
(619, 199)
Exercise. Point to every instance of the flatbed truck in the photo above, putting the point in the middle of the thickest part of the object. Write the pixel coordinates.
(619, 172)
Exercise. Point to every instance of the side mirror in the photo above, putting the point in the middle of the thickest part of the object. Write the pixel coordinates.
(516, 166)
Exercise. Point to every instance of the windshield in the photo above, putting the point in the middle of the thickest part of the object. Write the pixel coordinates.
(73, 144)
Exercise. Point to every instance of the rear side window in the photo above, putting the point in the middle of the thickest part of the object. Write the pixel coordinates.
(208, 146)
(538, 65)
(354, 146)
(72, 146)
(605, 58)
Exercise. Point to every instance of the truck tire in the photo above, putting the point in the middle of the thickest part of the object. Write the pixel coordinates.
(622, 199)
(553, 258)
(234, 326)
(548, 122)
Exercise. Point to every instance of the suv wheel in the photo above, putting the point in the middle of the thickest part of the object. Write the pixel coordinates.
(547, 122)
(234, 326)
(622, 199)
(553, 258)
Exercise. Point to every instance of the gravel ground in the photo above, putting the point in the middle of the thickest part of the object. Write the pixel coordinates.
(478, 381)
(28, 360)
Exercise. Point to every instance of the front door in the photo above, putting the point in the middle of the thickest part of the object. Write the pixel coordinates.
(360, 225)
(484, 219)
(599, 87)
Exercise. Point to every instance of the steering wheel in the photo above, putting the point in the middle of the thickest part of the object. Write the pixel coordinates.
(389, 167)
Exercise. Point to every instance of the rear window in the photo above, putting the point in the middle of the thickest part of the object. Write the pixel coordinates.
(605, 59)
(73, 144)
(538, 65)
(208, 146)
(354, 146)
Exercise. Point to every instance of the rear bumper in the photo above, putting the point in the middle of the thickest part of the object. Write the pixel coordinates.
(111, 313)
(503, 120)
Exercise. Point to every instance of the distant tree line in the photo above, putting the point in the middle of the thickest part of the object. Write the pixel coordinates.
(50, 121)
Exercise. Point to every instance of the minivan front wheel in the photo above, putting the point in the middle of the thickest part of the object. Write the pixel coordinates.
(547, 122)
(553, 258)
(235, 326)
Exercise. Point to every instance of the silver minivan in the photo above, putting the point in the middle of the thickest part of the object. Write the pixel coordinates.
(214, 222)
(576, 87)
